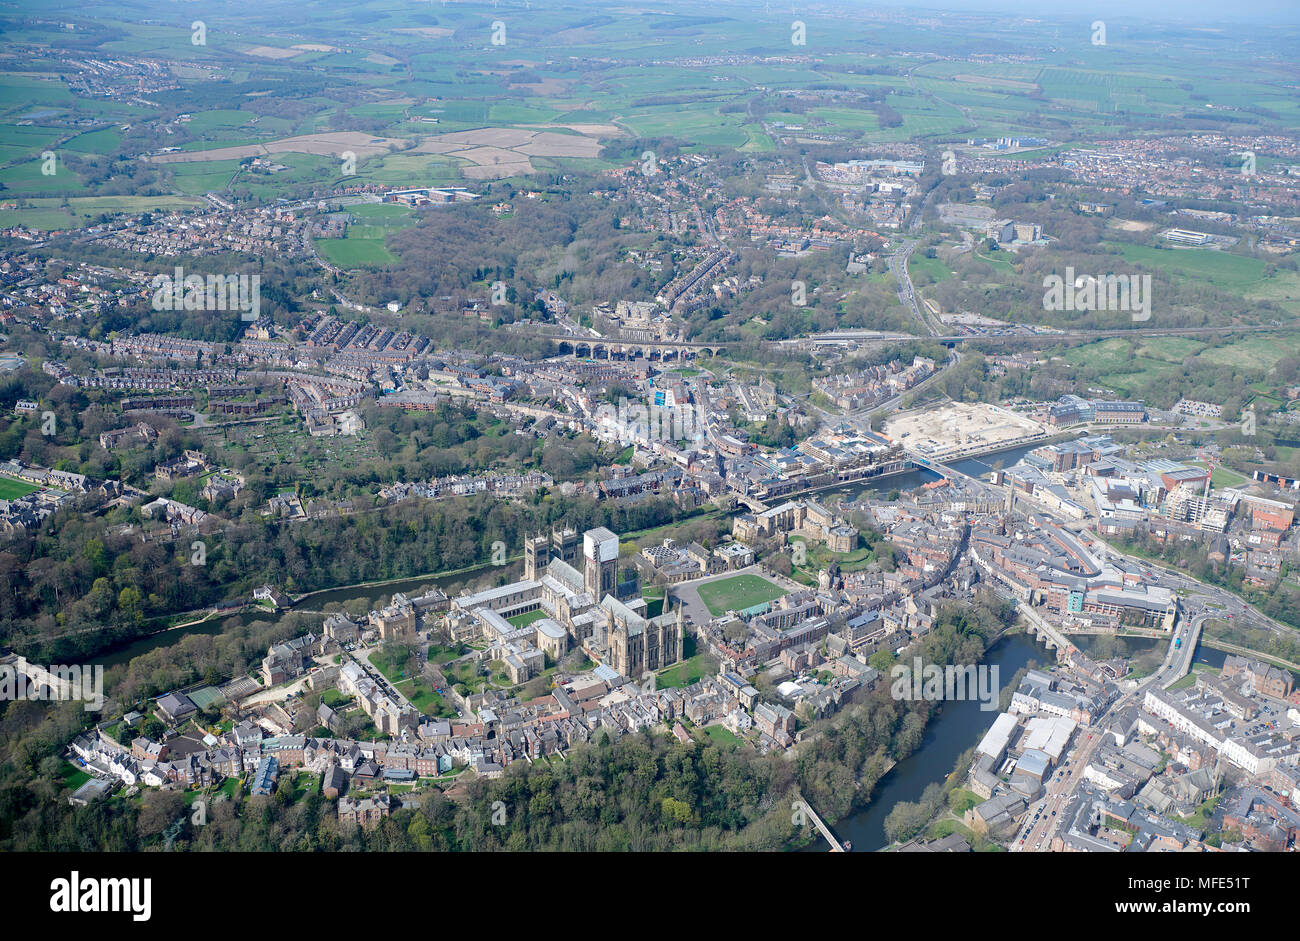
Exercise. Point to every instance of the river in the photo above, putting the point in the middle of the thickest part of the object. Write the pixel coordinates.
(956, 727)
(972, 466)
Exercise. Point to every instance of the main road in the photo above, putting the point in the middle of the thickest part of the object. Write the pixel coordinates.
(1038, 829)
(906, 290)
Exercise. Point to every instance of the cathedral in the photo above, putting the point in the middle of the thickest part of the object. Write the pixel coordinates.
(586, 603)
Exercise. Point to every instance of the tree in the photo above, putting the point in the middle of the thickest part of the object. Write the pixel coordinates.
(159, 811)
(676, 812)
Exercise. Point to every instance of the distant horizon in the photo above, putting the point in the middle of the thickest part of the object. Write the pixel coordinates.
(1184, 12)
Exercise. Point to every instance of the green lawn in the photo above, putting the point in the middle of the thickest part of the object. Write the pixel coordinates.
(73, 777)
(738, 593)
(932, 268)
(333, 697)
(1201, 818)
(720, 735)
(1226, 271)
(441, 654)
(394, 671)
(961, 800)
(523, 620)
(1190, 678)
(687, 672)
(1223, 476)
(11, 489)
(424, 699)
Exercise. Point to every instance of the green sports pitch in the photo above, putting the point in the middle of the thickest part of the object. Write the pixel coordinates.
(738, 593)
(11, 489)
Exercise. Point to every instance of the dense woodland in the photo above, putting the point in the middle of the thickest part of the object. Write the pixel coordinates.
(71, 590)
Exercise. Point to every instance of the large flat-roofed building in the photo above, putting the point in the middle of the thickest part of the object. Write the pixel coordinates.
(1186, 236)
(1072, 409)
(1120, 413)
(1269, 514)
(995, 741)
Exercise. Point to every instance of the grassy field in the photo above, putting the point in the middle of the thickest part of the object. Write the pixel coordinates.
(1117, 370)
(46, 214)
(720, 735)
(401, 69)
(1256, 353)
(1157, 358)
(738, 593)
(388, 214)
(355, 252)
(1234, 273)
(687, 672)
(11, 489)
(1223, 476)
(928, 269)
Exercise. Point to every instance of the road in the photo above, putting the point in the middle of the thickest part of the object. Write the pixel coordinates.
(866, 337)
(1039, 828)
(1037, 831)
(906, 291)
(862, 418)
(1198, 597)
(1199, 604)
(1203, 603)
